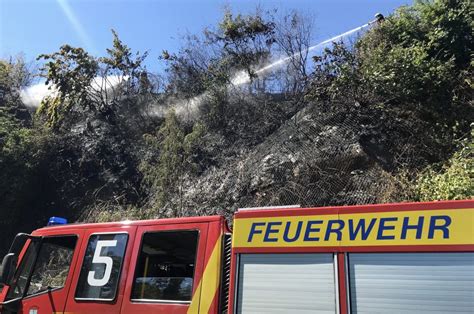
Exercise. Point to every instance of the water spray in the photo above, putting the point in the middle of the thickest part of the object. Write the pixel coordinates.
(244, 78)
(192, 105)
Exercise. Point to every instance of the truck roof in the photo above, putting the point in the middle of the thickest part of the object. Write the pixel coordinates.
(103, 225)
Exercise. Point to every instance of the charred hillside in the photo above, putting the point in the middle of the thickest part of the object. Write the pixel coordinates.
(320, 155)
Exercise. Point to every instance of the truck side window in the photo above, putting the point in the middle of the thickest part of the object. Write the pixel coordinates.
(52, 264)
(100, 272)
(165, 267)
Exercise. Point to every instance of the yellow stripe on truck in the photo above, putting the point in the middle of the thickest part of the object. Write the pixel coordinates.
(209, 283)
(194, 306)
(421, 227)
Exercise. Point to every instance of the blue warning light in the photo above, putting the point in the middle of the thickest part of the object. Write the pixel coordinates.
(53, 221)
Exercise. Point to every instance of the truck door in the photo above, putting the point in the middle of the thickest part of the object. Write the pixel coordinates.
(45, 274)
(166, 267)
(99, 281)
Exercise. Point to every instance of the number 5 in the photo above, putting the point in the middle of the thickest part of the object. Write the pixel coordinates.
(98, 259)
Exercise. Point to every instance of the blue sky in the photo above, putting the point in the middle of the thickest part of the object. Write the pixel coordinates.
(33, 27)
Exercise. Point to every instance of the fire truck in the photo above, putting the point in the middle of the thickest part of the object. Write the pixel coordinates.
(391, 258)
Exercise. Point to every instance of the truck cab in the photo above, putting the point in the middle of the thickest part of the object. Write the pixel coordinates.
(165, 266)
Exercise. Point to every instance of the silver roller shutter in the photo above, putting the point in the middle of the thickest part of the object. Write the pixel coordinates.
(286, 283)
(412, 282)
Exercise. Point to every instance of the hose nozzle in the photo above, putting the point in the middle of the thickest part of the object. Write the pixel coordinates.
(379, 18)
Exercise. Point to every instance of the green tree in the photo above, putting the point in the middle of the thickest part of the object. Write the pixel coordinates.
(246, 39)
(95, 112)
(419, 54)
(70, 73)
(413, 71)
(26, 187)
(122, 62)
(174, 151)
(239, 42)
(85, 85)
(14, 75)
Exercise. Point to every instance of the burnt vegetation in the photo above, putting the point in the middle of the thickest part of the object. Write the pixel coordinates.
(386, 118)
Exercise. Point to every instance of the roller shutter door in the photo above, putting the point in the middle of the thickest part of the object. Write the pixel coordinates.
(412, 283)
(286, 283)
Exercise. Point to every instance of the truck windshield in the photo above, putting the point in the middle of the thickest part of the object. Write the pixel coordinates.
(45, 266)
(21, 277)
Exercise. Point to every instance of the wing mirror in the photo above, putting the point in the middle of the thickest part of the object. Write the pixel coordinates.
(8, 268)
(10, 261)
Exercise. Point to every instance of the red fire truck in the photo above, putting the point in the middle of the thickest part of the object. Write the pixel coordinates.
(392, 258)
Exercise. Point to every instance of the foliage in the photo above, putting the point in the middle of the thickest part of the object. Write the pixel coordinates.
(192, 69)
(91, 86)
(453, 180)
(246, 40)
(164, 174)
(120, 57)
(21, 149)
(77, 149)
(121, 62)
(337, 75)
(238, 43)
(421, 55)
(70, 72)
(26, 187)
(170, 163)
(110, 210)
(14, 75)
(413, 71)
(414, 54)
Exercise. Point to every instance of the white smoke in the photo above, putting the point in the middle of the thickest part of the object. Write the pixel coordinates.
(32, 95)
(185, 109)
(108, 83)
